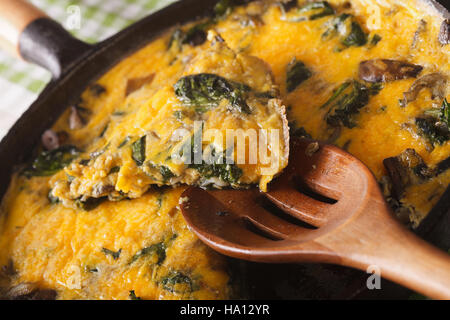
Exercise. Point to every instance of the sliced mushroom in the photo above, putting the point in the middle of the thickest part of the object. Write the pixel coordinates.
(444, 32)
(398, 175)
(21, 290)
(406, 169)
(135, 84)
(53, 140)
(421, 28)
(102, 190)
(30, 291)
(436, 82)
(75, 119)
(385, 70)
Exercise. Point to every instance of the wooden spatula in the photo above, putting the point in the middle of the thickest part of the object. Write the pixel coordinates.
(326, 207)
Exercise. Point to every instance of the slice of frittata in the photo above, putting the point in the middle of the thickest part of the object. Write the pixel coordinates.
(216, 121)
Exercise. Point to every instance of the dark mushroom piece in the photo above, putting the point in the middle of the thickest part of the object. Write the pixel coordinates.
(297, 73)
(102, 190)
(421, 28)
(75, 119)
(197, 34)
(385, 70)
(444, 32)
(137, 83)
(407, 169)
(30, 291)
(194, 36)
(398, 174)
(52, 140)
(436, 82)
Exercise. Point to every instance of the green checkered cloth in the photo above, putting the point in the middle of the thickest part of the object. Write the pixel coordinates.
(20, 82)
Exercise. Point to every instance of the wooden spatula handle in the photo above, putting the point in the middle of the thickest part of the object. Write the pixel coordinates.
(15, 16)
(28, 33)
(377, 239)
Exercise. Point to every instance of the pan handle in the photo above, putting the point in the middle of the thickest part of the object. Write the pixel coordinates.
(30, 34)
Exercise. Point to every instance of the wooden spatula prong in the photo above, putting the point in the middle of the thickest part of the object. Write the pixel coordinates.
(355, 226)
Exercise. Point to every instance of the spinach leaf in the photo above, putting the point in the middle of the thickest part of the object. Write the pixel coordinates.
(114, 170)
(194, 36)
(375, 88)
(375, 39)
(336, 94)
(50, 162)
(347, 29)
(297, 73)
(205, 91)
(115, 255)
(166, 173)
(316, 10)
(89, 204)
(159, 249)
(104, 130)
(223, 8)
(309, 11)
(51, 198)
(229, 173)
(298, 132)
(133, 296)
(435, 127)
(443, 114)
(431, 130)
(177, 282)
(346, 102)
(138, 151)
(356, 37)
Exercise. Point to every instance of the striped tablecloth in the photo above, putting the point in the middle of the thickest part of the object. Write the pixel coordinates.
(89, 20)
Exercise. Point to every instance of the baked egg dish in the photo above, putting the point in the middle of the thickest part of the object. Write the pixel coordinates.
(94, 215)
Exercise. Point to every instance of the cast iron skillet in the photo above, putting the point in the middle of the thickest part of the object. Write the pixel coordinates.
(74, 65)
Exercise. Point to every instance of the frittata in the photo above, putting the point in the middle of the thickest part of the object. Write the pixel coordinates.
(95, 215)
